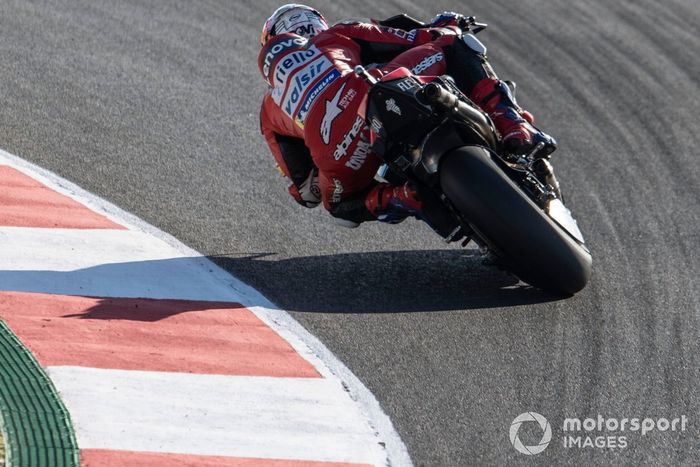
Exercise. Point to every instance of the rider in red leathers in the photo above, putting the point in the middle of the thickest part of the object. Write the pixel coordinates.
(309, 114)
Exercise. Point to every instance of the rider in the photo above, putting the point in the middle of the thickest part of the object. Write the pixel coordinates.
(309, 114)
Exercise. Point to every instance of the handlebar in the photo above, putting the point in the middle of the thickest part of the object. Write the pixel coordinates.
(364, 74)
(470, 24)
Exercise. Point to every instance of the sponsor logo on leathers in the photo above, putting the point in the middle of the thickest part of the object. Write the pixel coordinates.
(342, 149)
(301, 81)
(347, 98)
(427, 62)
(311, 96)
(277, 49)
(291, 62)
(337, 192)
(332, 112)
(359, 156)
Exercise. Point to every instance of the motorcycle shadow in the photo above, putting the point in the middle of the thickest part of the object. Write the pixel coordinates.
(382, 282)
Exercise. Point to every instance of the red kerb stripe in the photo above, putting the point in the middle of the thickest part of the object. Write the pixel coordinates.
(150, 335)
(24, 202)
(108, 458)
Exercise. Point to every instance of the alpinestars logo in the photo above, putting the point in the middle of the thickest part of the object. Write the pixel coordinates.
(332, 111)
(391, 106)
(342, 149)
(427, 62)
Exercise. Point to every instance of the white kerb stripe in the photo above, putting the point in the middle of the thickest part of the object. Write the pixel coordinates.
(104, 263)
(260, 417)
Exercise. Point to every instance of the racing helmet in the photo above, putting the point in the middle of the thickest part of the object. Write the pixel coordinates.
(293, 17)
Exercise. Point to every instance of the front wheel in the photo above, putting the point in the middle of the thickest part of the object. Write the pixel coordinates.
(532, 245)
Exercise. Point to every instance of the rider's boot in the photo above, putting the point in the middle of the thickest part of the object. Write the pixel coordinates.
(393, 203)
(519, 135)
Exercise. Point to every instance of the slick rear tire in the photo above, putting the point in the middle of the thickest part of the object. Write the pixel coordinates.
(531, 244)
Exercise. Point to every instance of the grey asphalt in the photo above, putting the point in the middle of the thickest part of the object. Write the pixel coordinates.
(153, 105)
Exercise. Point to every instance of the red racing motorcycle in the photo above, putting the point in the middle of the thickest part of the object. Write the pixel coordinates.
(432, 134)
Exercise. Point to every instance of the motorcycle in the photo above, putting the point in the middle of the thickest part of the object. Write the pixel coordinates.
(428, 132)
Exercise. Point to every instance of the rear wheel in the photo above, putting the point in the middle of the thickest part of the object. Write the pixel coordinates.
(532, 245)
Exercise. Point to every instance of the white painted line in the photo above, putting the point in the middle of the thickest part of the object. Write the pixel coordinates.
(259, 417)
(347, 384)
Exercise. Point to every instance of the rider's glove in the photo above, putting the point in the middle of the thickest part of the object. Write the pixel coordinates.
(310, 190)
(447, 18)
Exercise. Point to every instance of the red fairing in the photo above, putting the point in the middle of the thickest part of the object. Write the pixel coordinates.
(404, 72)
(316, 98)
(398, 73)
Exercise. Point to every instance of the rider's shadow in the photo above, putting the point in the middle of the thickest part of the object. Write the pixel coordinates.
(382, 282)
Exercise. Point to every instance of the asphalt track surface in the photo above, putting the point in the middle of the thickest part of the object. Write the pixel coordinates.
(153, 105)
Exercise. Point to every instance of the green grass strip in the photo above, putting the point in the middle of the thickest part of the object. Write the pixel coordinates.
(35, 424)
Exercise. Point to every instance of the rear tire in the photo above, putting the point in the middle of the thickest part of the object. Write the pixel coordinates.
(531, 244)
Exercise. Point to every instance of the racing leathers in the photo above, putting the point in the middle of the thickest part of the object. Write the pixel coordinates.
(312, 114)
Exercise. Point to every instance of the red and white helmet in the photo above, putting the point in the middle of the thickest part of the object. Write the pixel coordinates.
(293, 17)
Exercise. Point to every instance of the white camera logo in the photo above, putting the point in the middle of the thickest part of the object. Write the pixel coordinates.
(546, 433)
